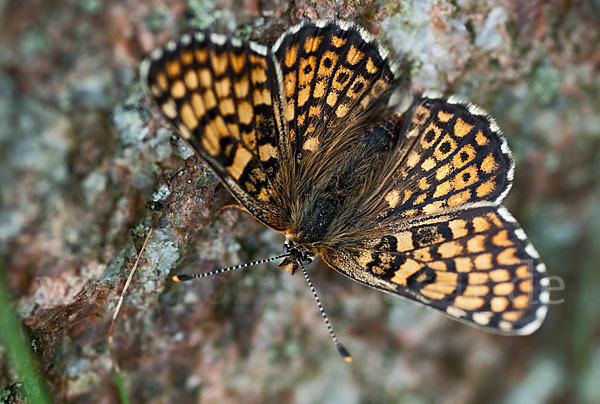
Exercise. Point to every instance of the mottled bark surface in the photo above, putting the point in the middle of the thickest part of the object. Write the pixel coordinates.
(87, 166)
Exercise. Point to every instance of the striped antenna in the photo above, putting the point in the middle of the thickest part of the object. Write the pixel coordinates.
(341, 348)
(189, 277)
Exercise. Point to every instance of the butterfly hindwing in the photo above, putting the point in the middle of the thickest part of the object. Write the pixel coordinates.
(452, 155)
(222, 96)
(474, 265)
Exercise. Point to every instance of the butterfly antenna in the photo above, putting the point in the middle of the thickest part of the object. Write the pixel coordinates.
(341, 348)
(189, 277)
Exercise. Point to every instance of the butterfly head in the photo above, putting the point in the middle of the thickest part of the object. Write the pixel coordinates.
(297, 257)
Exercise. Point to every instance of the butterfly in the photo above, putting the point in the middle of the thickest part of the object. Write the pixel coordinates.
(407, 203)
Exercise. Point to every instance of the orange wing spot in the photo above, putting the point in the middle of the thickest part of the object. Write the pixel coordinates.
(480, 224)
(406, 270)
(476, 244)
(468, 302)
(442, 288)
(342, 78)
(289, 83)
(337, 41)
(460, 198)
(444, 116)
(520, 302)
(461, 128)
(198, 104)
(191, 79)
(483, 261)
(327, 64)
(407, 194)
(258, 75)
(223, 88)
(311, 44)
(482, 318)
(525, 286)
(503, 289)
(219, 62)
(445, 147)
(421, 115)
(433, 207)
(499, 275)
(240, 161)
(234, 130)
(267, 151)
(466, 177)
(371, 68)
(413, 159)
(359, 86)
(261, 97)
(499, 304)
(173, 68)
(432, 294)
(366, 101)
(342, 111)
(184, 131)
(507, 257)
(306, 70)
(311, 144)
(393, 198)
(465, 155)
(432, 133)
(420, 199)
(221, 127)
(300, 120)
(289, 112)
(161, 80)
(438, 265)
(238, 62)
(314, 110)
(481, 139)
(187, 58)
(201, 55)
(178, 89)
(227, 107)
(428, 164)
(450, 249)
(522, 271)
(478, 290)
(458, 228)
(245, 112)
(463, 264)
(443, 189)
(404, 241)
(291, 55)
(443, 172)
(478, 278)
(354, 55)
(512, 315)
(332, 98)
(494, 219)
(210, 101)
(169, 108)
(501, 239)
(188, 117)
(423, 254)
(210, 140)
(410, 212)
(486, 188)
(258, 60)
(319, 90)
(303, 96)
(205, 78)
(488, 164)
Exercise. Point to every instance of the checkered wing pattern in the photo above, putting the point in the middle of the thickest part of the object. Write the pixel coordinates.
(451, 155)
(335, 79)
(222, 96)
(442, 238)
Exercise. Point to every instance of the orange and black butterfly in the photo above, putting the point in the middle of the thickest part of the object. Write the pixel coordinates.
(408, 203)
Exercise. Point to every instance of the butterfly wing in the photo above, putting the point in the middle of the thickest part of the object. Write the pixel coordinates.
(436, 233)
(336, 79)
(222, 96)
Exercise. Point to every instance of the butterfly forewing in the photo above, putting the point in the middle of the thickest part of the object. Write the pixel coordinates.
(335, 77)
(222, 97)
